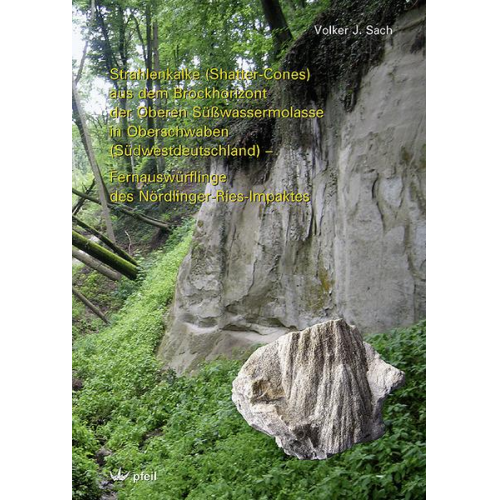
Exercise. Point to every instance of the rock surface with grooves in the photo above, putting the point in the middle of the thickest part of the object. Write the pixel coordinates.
(356, 251)
(317, 392)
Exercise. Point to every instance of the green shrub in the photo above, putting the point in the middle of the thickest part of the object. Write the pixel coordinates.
(206, 449)
(85, 485)
(118, 365)
(188, 430)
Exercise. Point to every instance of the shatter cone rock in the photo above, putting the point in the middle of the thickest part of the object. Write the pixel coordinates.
(318, 392)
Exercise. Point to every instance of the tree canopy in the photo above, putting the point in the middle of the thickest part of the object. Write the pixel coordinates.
(131, 35)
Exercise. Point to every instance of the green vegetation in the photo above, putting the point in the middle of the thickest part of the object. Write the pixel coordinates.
(102, 290)
(230, 34)
(188, 430)
(341, 61)
(118, 363)
(85, 445)
(128, 413)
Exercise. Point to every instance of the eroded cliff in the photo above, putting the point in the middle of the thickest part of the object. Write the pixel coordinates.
(357, 250)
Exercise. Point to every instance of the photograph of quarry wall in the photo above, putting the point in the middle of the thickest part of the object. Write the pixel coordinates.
(356, 251)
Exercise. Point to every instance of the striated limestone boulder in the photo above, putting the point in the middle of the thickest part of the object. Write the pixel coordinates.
(317, 392)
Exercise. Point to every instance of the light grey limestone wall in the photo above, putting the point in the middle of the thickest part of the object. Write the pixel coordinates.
(356, 251)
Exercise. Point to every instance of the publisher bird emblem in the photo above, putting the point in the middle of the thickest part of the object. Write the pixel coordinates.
(119, 476)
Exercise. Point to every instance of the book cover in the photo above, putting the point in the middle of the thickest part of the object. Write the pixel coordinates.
(248, 249)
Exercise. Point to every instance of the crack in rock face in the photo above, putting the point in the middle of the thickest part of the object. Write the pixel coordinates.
(317, 392)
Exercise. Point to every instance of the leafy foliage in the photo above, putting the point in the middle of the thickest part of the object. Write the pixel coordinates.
(84, 468)
(206, 449)
(118, 364)
(84, 476)
(230, 34)
(105, 360)
(101, 290)
(341, 61)
(188, 430)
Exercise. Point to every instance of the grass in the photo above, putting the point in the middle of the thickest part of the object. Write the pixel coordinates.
(188, 430)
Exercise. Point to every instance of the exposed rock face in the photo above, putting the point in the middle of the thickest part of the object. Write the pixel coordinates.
(318, 392)
(356, 251)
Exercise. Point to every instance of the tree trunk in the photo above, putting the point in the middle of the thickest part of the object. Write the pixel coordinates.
(123, 55)
(82, 63)
(151, 162)
(105, 256)
(121, 62)
(277, 23)
(87, 144)
(105, 240)
(160, 160)
(79, 203)
(120, 208)
(89, 304)
(95, 265)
